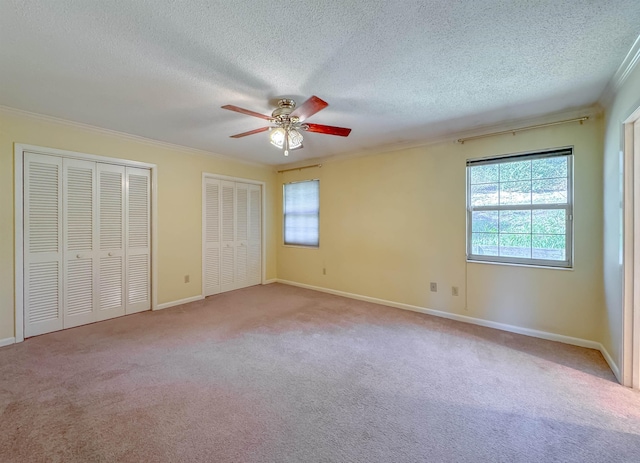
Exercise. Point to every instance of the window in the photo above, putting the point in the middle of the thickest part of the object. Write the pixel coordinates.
(519, 208)
(301, 212)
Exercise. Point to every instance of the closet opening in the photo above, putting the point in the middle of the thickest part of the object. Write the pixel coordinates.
(85, 229)
(232, 233)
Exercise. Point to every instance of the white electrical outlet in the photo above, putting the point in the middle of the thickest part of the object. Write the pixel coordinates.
(433, 287)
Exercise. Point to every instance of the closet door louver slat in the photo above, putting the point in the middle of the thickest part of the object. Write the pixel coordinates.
(138, 279)
(111, 286)
(43, 297)
(79, 291)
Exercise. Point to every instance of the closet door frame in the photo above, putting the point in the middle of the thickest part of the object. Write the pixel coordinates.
(19, 153)
(263, 236)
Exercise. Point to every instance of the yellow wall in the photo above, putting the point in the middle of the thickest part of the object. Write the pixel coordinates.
(179, 201)
(625, 101)
(390, 223)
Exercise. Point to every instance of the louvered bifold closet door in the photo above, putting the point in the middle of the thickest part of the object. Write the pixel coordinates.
(227, 252)
(80, 241)
(42, 244)
(111, 227)
(211, 237)
(137, 240)
(242, 234)
(254, 259)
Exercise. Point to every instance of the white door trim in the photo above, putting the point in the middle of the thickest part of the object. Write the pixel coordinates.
(630, 364)
(19, 150)
(206, 175)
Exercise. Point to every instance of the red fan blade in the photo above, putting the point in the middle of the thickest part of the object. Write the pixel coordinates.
(329, 129)
(251, 132)
(309, 108)
(245, 111)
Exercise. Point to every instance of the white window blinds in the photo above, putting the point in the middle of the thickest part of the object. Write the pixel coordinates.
(301, 211)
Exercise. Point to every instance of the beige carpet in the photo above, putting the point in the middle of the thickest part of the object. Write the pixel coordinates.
(282, 374)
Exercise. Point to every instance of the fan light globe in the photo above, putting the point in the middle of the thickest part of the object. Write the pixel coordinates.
(277, 137)
(295, 139)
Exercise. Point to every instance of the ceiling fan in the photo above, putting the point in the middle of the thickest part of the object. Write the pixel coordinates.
(288, 121)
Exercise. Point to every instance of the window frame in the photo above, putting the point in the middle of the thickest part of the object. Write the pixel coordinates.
(567, 152)
(284, 215)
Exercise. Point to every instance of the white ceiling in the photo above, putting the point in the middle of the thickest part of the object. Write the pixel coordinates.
(394, 71)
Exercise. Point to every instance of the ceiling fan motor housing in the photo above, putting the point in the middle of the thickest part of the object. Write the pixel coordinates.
(285, 107)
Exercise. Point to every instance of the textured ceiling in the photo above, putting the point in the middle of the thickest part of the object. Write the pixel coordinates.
(394, 71)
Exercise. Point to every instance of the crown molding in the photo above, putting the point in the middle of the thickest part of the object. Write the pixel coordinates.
(621, 75)
(591, 111)
(127, 136)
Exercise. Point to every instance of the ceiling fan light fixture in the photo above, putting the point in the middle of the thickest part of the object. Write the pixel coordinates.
(295, 139)
(287, 139)
(277, 137)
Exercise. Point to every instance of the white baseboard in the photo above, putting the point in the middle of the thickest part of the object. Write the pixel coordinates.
(612, 364)
(7, 341)
(271, 281)
(166, 305)
(463, 318)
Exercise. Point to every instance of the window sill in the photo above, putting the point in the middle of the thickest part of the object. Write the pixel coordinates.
(299, 246)
(512, 264)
